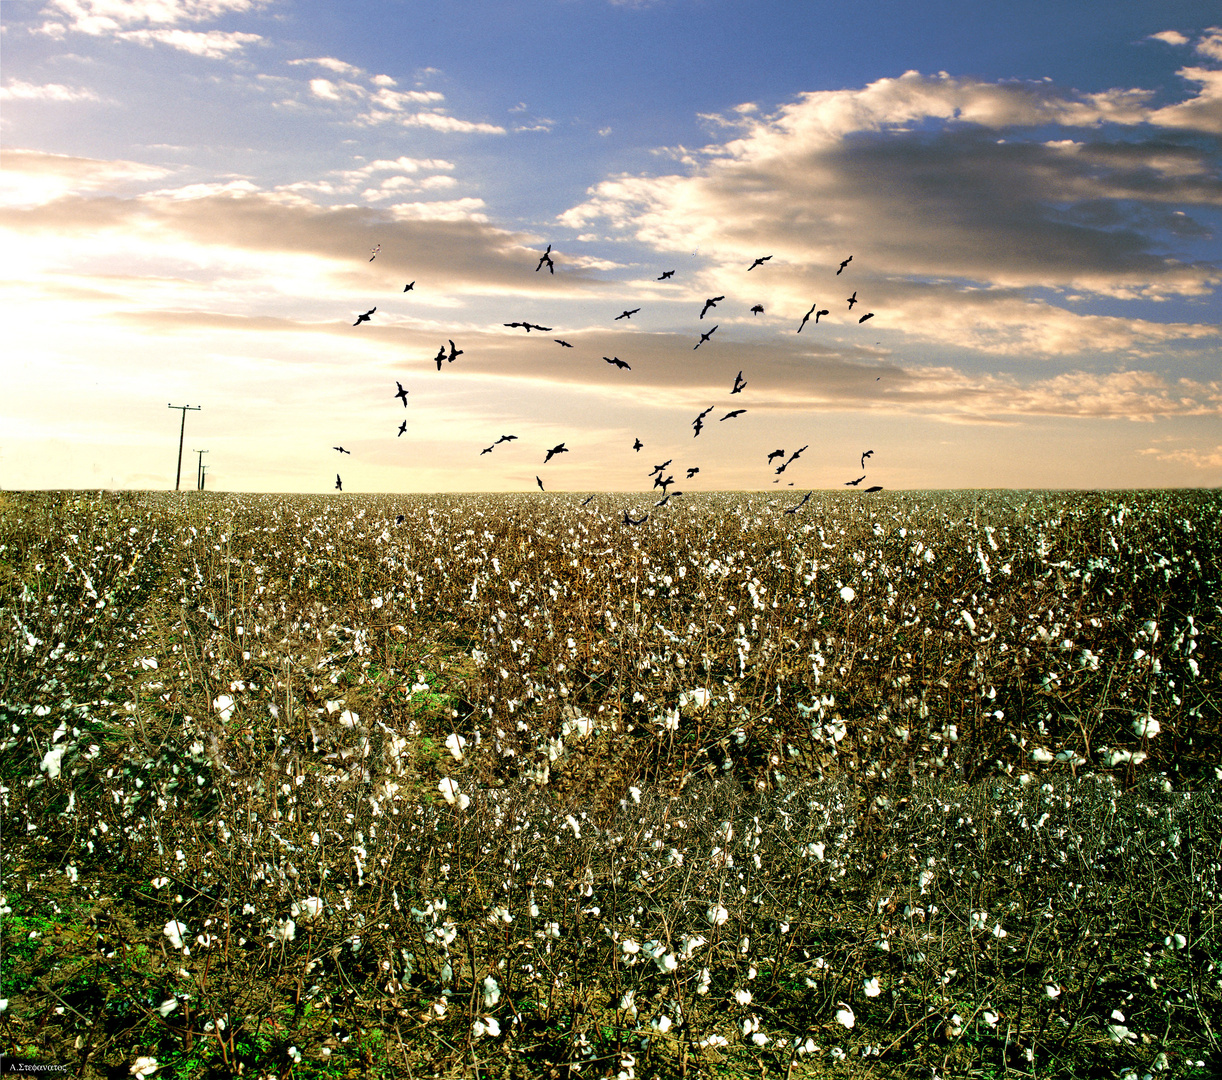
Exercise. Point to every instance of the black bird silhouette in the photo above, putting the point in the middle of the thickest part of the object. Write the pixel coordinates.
(854, 483)
(546, 258)
(617, 362)
(398, 519)
(409, 286)
(636, 521)
(698, 423)
(705, 337)
(731, 415)
(792, 457)
(868, 453)
(626, 314)
(637, 444)
(364, 318)
(876, 487)
(486, 450)
(665, 274)
(867, 315)
(454, 353)
(758, 262)
(807, 316)
(401, 394)
(758, 309)
(339, 484)
(710, 302)
(774, 455)
(693, 472)
(821, 311)
(504, 438)
(342, 450)
(852, 300)
(795, 509)
(663, 482)
(663, 500)
(440, 357)
(844, 264)
(402, 429)
(586, 502)
(739, 383)
(374, 254)
(660, 468)
(539, 482)
(564, 343)
(528, 327)
(558, 449)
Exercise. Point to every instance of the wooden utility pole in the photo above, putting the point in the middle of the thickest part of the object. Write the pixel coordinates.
(202, 475)
(181, 430)
(199, 471)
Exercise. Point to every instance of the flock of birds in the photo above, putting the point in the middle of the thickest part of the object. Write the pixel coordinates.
(658, 473)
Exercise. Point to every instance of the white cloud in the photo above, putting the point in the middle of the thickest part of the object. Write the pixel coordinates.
(1171, 37)
(1194, 457)
(148, 22)
(211, 44)
(1209, 44)
(1200, 113)
(340, 67)
(441, 122)
(17, 90)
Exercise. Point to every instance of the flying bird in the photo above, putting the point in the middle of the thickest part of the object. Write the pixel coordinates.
(440, 357)
(698, 423)
(454, 353)
(408, 287)
(795, 509)
(527, 326)
(705, 337)
(632, 521)
(868, 453)
(564, 343)
(663, 482)
(854, 483)
(637, 444)
(401, 394)
(710, 302)
(807, 316)
(342, 450)
(398, 519)
(339, 484)
(546, 258)
(663, 500)
(486, 450)
(852, 300)
(660, 468)
(586, 502)
(626, 314)
(792, 457)
(374, 253)
(821, 311)
(876, 487)
(558, 449)
(364, 318)
(867, 315)
(758, 262)
(693, 472)
(504, 438)
(666, 274)
(402, 429)
(731, 415)
(539, 482)
(758, 309)
(739, 383)
(617, 362)
(844, 264)
(774, 455)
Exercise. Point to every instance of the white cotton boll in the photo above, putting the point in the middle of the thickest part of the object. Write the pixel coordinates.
(990, 1017)
(175, 931)
(449, 791)
(144, 1067)
(717, 915)
(309, 908)
(1146, 726)
(224, 706)
(968, 621)
(743, 997)
(349, 719)
(977, 919)
(492, 993)
(630, 947)
(455, 744)
(285, 931)
(635, 792)
(572, 824)
(694, 699)
(847, 594)
(1041, 755)
(167, 1006)
(844, 1015)
(872, 988)
(52, 761)
(662, 1023)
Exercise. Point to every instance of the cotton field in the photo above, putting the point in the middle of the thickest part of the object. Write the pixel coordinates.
(893, 783)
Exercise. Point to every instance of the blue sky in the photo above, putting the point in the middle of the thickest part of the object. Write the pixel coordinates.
(190, 189)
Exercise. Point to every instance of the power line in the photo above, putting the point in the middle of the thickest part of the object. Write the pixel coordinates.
(181, 430)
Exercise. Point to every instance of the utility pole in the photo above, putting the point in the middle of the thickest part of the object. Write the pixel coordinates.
(199, 471)
(202, 475)
(181, 430)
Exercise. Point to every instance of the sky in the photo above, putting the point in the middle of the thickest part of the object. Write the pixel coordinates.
(191, 191)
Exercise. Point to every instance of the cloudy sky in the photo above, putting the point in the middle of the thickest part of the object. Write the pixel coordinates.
(190, 191)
